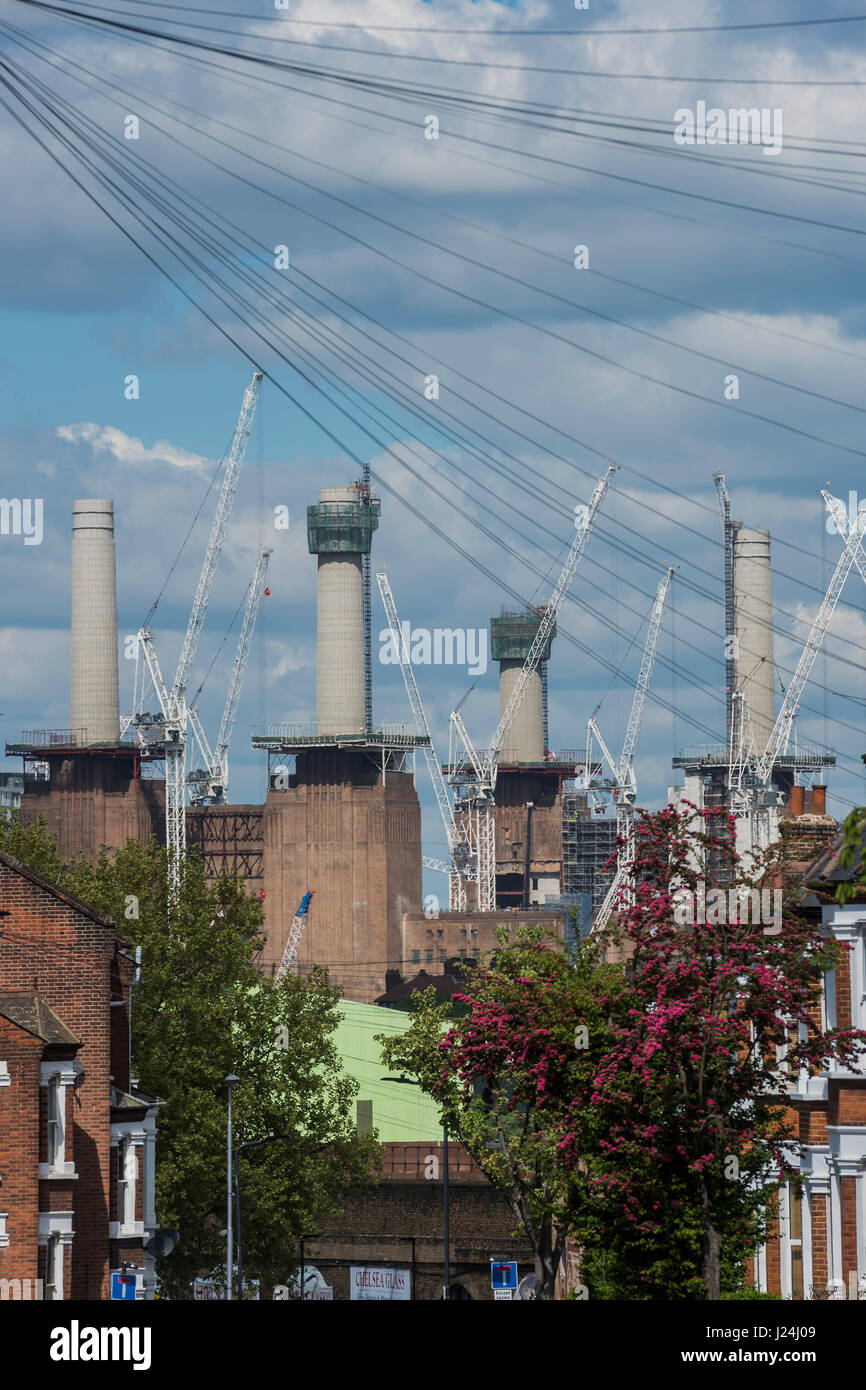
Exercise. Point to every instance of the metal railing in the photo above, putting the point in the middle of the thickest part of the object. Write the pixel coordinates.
(54, 738)
(295, 733)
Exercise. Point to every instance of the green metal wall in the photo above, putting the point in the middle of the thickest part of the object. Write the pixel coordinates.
(401, 1114)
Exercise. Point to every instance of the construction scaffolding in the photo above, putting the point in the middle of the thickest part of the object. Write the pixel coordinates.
(588, 843)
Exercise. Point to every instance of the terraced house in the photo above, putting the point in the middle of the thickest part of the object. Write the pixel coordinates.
(76, 1135)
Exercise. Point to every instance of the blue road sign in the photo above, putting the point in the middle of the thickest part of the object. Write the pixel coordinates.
(123, 1286)
(503, 1274)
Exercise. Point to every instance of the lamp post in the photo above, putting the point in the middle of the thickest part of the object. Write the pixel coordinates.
(254, 1144)
(250, 1144)
(231, 1080)
(446, 1286)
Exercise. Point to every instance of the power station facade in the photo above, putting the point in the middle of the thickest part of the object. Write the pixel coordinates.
(708, 772)
(341, 814)
(89, 790)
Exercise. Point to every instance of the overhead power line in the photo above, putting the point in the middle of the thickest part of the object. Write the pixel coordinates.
(506, 32)
(94, 18)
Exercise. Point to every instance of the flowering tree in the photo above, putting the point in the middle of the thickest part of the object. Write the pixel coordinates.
(723, 1017)
(514, 1072)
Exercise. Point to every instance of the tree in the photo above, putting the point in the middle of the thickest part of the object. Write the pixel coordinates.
(199, 1012)
(723, 1017)
(513, 1078)
(32, 844)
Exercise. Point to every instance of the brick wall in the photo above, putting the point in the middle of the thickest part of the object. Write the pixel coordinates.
(19, 1151)
(433, 940)
(356, 840)
(482, 1228)
(51, 945)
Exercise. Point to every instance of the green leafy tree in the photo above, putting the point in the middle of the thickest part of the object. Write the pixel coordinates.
(199, 1012)
(851, 857)
(513, 1078)
(32, 844)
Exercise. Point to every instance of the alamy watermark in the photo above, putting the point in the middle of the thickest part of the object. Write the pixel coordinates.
(736, 906)
(739, 125)
(443, 646)
(22, 516)
(853, 508)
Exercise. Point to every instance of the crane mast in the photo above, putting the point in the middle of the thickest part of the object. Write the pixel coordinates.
(177, 718)
(751, 772)
(215, 786)
(293, 940)
(730, 615)
(475, 792)
(218, 529)
(623, 774)
(782, 728)
(458, 849)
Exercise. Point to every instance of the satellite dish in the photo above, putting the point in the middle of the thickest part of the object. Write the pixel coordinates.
(162, 1242)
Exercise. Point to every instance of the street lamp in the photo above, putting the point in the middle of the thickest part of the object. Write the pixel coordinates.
(231, 1080)
(446, 1287)
(250, 1144)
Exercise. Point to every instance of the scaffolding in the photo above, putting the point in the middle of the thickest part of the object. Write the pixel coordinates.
(588, 843)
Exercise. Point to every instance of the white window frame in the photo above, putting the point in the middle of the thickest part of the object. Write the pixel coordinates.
(126, 1143)
(55, 1233)
(57, 1078)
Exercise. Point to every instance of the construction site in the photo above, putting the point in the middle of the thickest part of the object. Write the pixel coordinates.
(335, 850)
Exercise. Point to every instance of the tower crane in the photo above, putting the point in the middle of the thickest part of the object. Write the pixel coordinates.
(756, 799)
(177, 718)
(730, 616)
(211, 786)
(296, 932)
(460, 867)
(473, 774)
(623, 781)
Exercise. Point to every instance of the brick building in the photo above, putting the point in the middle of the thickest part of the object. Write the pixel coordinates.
(817, 1249)
(399, 1225)
(76, 1136)
(465, 935)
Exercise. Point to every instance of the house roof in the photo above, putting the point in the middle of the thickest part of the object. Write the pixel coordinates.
(446, 986)
(826, 867)
(133, 1099)
(52, 888)
(29, 1011)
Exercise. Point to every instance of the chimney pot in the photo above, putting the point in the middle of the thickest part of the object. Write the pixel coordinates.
(819, 800)
(796, 801)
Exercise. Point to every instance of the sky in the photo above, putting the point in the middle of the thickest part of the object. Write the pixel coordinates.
(454, 257)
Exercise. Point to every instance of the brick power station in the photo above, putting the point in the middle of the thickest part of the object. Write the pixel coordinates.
(341, 816)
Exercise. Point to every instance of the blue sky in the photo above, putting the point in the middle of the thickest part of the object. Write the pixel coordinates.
(81, 308)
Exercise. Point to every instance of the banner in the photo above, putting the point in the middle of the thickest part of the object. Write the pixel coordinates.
(379, 1282)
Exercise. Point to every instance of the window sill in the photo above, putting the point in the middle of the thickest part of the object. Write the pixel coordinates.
(64, 1174)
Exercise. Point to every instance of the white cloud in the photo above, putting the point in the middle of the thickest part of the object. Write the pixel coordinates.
(127, 449)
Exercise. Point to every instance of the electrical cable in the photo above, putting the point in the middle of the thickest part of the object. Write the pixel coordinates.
(116, 24)
(244, 81)
(503, 33)
(692, 502)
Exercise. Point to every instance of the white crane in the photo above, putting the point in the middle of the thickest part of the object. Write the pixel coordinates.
(211, 786)
(293, 940)
(475, 776)
(177, 718)
(622, 781)
(459, 867)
